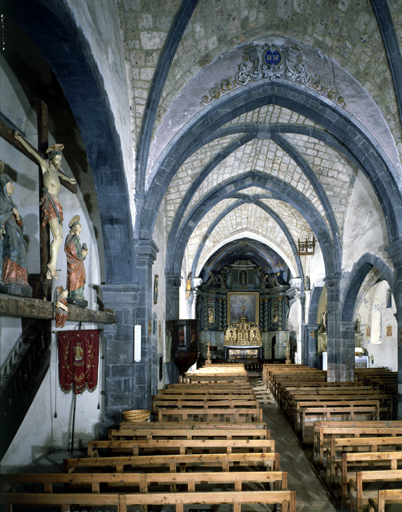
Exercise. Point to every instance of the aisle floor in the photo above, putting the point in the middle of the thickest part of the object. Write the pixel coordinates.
(311, 495)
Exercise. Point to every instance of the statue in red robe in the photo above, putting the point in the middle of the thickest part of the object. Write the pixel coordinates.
(76, 254)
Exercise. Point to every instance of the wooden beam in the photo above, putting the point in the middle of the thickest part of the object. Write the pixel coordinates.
(36, 308)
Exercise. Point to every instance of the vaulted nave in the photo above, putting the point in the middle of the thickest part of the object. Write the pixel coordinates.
(185, 180)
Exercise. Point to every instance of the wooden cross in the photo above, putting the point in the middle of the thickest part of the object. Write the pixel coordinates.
(7, 133)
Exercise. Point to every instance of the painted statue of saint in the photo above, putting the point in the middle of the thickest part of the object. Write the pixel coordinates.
(76, 254)
(61, 307)
(13, 248)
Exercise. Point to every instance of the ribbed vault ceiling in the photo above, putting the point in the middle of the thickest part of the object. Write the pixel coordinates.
(277, 142)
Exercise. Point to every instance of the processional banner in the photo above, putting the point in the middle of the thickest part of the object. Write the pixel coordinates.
(78, 360)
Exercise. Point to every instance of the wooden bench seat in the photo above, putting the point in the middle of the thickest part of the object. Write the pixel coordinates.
(190, 425)
(203, 396)
(193, 389)
(223, 461)
(286, 499)
(210, 414)
(302, 401)
(360, 496)
(141, 482)
(318, 402)
(286, 392)
(63, 500)
(136, 447)
(346, 469)
(352, 410)
(325, 430)
(202, 403)
(188, 431)
(384, 497)
(354, 444)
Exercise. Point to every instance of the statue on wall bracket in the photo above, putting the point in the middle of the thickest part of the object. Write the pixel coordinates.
(13, 247)
(76, 254)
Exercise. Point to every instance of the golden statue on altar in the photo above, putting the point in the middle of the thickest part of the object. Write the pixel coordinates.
(243, 333)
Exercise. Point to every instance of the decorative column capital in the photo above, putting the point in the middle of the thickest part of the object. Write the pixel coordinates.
(146, 250)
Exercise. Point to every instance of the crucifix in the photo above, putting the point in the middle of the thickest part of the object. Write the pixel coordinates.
(51, 178)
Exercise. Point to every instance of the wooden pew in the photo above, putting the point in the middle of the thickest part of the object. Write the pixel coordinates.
(345, 470)
(325, 430)
(223, 461)
(360, 497)
(206, 397)
(53, 483)
(352, 410)
(286, 499)
(194, 389)
(385, 497)
(354, 444)
(62, 500)
(240, 415)
(337, 400)
(156, 430)
(202, 403)
(182, 447)
(187, 431)
(286, 391)
(323, 402)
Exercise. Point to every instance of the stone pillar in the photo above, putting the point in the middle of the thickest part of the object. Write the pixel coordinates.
(347, 356)
(302, 340)
(395, 253)
(340, 352)
(123, 381)
(173, 283)
(146, 369)
(310, 346)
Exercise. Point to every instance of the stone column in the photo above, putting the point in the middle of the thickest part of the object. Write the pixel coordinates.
(340, 353)
(347, 356)
(122, 382)
(173, 283)
(395, 253)
(146, 370)
(310, 345)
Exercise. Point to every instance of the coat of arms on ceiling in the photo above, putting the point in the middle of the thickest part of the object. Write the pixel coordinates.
(269, 62)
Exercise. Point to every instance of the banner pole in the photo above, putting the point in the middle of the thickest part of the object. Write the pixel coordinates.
(72, 433)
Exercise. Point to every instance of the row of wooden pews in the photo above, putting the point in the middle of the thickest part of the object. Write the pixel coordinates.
(357, 445)
(208, 446)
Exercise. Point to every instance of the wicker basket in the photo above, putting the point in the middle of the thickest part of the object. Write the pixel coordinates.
(137, 415)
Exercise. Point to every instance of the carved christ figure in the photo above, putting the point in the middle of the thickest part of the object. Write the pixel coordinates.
(52, 211)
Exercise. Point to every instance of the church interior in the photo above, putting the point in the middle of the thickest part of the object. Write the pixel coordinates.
(230, 191)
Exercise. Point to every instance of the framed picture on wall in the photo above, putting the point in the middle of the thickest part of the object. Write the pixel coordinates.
(243, 303)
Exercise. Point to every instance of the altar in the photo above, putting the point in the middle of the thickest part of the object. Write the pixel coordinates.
(243, 341)
(238, 354)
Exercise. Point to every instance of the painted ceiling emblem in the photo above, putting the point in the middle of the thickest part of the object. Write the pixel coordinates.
(270, 62)
(273, 57)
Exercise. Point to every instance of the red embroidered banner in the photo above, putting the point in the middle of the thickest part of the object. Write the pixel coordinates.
(78, 360)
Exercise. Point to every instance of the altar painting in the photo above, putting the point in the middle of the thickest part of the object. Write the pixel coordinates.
(243, 303)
